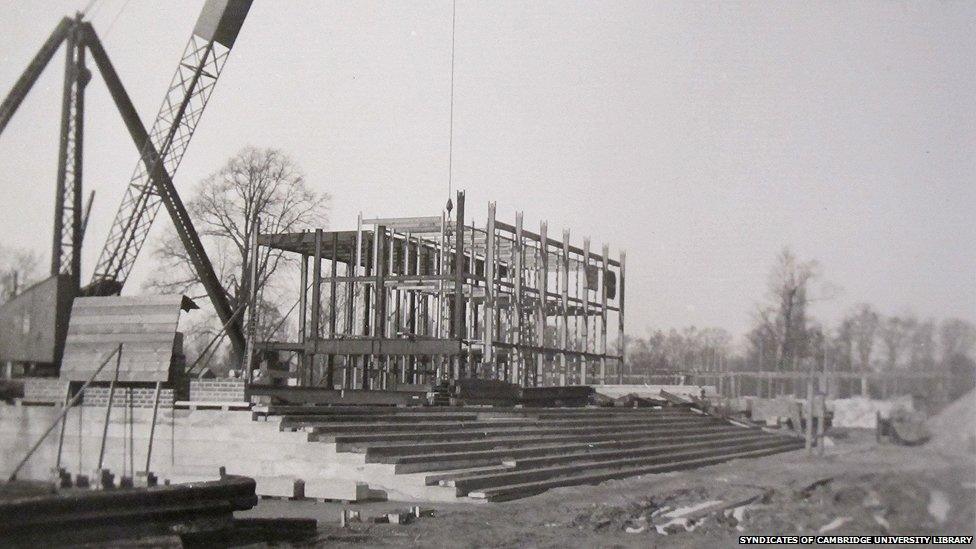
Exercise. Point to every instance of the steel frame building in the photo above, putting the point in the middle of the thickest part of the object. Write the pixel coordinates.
(406, 301)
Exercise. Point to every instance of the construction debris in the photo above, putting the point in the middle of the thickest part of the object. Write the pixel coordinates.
(196, 511)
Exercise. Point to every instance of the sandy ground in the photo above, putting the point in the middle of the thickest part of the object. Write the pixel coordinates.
(857, 488)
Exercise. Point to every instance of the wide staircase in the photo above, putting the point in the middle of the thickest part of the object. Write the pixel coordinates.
(498, 454)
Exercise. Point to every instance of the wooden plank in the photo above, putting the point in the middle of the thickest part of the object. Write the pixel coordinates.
(79, 340)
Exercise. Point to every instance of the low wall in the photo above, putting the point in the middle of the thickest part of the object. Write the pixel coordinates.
(44, 389)
(217, 390)
(191, 445)
(134, 397)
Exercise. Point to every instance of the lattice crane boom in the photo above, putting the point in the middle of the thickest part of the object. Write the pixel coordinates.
(189, 91)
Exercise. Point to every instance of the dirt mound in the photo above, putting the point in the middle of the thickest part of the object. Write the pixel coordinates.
(954, 428)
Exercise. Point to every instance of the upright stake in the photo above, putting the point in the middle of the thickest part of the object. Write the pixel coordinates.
(152, 426)
(108, 409)
(74, 400)
(64, 420)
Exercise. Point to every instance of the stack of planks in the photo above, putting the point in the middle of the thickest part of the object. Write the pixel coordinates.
(500, 454)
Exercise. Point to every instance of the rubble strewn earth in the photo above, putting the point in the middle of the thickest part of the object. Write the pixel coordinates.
(858, 488)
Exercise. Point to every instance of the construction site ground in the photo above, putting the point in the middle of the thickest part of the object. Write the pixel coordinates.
(859, 487)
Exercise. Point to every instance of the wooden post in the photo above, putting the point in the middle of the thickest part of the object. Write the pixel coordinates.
(61, 416)
(108, 408)
(152, 427)
(821, 416)
(64, 420)
(809, 405)
(308, 377)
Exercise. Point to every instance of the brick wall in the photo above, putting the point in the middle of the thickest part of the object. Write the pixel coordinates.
(44, 389)
(141, 397)
(217, 390)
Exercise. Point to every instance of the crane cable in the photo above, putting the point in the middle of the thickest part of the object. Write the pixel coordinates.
(116, 18)
(450, 146)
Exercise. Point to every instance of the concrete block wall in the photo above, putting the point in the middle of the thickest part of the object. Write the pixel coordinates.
(44, 389)
(137, 397)
(217, 390)
(192, 445)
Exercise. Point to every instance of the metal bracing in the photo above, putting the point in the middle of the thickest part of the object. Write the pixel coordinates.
(67, 236)
(187, 96)
(530, 311)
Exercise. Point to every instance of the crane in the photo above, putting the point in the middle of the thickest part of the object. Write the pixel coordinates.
(161, 150)
(150, 186)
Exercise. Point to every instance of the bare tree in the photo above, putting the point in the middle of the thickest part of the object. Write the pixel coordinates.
(864, 322)
(921, 353)
(782, 323)
(255, 183)
(18, 269)
(957, 339)
(896, 333)
(841, 351)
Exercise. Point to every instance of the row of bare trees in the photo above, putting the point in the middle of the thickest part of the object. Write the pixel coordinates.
(690, 348)
(785, 336)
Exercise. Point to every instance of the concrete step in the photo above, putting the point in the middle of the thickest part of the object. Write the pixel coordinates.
(328, 427)
(471, 483)
(346, 442)
(389, 453)
(435, 479)
(524, 489)
(656, 447)
(349, 419)
(496, 456)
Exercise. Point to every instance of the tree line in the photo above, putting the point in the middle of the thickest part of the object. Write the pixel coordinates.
(785, 336)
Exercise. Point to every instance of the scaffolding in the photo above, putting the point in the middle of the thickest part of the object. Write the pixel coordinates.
(404, 302)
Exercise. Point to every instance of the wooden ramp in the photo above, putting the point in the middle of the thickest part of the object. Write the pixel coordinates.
(499, 454)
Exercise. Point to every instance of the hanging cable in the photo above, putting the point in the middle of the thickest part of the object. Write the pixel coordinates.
(450, 146)
(114, 19)
(88, 7)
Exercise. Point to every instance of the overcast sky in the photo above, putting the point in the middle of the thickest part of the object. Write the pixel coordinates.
(701, 137)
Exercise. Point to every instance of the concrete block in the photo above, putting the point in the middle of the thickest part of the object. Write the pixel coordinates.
(282, 487)
(336, 488)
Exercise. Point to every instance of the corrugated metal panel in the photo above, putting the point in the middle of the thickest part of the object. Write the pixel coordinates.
(145, 326)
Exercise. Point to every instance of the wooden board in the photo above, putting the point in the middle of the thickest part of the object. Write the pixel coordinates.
(145, 326)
